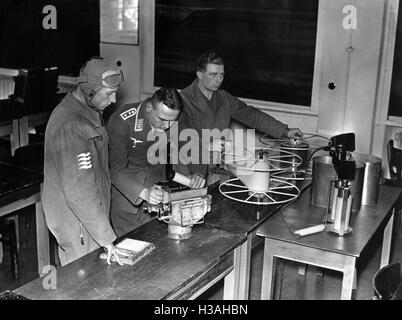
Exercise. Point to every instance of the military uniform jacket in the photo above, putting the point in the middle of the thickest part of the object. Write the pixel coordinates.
(131, 171)
(200, 113)
(76, 190)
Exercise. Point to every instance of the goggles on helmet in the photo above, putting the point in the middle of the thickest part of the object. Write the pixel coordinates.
(110, 79)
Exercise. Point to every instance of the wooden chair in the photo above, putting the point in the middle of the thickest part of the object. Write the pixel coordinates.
(34, 97)
(31, 157)
(35, 91)
(386, 281)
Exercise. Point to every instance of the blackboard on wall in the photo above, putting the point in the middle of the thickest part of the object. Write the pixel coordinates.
(268, 46)
(24, 43)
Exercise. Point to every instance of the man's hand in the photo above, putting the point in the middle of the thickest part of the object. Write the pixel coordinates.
(197, 181)
(294, 133)
(220, 145)
(112, 254)
(155, 195)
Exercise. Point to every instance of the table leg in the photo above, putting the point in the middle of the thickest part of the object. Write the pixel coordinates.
(244, 276)
(268, 271)
(17, 229)
(42, 238)
(15, 137)
(386, 242)
(229, 286)
(349, 274)
(23, 130)
(237, 282)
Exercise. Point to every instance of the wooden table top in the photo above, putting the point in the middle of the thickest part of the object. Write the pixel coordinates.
(301, 214)
(162, 274)
(17, 182)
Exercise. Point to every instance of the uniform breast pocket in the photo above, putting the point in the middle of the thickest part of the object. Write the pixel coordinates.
(97, 141)
(100, 144)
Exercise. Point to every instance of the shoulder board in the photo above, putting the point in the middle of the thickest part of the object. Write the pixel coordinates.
(128, 113)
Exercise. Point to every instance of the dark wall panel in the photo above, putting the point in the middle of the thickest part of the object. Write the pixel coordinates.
(395, 102)
(25, 43)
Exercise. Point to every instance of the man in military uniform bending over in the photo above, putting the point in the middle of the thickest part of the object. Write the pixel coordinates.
(133, 175)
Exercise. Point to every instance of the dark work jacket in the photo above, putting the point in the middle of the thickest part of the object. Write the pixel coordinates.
(131, 171)
(200, 113)
(76, 189)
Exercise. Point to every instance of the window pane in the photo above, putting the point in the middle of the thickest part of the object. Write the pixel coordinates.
(119, 21)
(268, 46)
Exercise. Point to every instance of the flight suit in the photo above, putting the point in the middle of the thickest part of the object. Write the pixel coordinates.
(76, 187)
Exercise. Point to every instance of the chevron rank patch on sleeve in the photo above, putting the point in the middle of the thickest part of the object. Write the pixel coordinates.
(84, 161)
(128, 113)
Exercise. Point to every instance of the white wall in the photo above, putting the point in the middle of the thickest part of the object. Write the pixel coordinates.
(129, 56)
(351, 106)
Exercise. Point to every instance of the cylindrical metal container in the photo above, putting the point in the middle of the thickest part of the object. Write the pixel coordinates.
(300, 150)
(323, 173)
(357, 186)
(372, 175)
(342, 209)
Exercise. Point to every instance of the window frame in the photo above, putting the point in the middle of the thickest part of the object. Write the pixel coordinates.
(147, 38)
(119, 37)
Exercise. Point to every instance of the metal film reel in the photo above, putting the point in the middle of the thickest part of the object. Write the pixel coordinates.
(277, 192)
(315, 141)
(276, 160)
(304, 148)
(254, 183)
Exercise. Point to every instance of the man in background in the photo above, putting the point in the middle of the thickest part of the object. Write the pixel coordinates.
(206, 106)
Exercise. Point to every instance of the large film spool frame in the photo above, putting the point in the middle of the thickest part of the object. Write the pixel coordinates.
(272, 142)
(274, 194)
(284, 161)
(295, 175)
(277, 191)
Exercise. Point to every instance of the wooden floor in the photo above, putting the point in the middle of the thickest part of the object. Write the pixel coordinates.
(315, 285)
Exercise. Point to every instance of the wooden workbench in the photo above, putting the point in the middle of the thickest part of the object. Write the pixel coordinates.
(326, 249)
(245, 219)
(174, 270)
(19, 188)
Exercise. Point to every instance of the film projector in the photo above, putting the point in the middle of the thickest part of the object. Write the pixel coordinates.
(182, 207)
